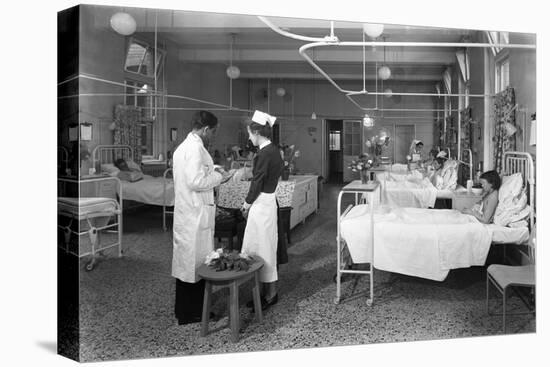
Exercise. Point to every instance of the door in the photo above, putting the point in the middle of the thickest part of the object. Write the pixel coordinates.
(404, 135)
(335, 161)
(352, 141)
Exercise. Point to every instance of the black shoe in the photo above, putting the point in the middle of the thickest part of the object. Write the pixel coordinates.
(267, 304)
(194, 319)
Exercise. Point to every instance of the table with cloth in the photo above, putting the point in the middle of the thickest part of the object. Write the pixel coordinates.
(231, 196)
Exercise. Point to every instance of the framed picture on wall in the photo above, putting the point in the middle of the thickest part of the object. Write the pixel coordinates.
(173, 134)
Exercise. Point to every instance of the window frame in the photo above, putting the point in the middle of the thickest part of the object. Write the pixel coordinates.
(159, 61)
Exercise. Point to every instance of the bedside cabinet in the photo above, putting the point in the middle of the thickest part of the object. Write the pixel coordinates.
(465, 200)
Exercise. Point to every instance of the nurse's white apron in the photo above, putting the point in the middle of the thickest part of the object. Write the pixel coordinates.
(260, 235)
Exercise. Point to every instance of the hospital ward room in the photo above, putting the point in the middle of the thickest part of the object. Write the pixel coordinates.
(232, 183)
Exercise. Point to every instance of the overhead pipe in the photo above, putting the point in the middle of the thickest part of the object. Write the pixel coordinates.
(331, 38)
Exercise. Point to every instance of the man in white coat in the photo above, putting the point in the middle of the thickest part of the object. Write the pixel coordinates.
(194, 214)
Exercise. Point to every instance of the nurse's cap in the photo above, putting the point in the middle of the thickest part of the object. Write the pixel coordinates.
(442, 154)
(263, 118)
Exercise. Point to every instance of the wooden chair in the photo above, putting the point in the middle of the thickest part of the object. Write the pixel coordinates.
(504, 276)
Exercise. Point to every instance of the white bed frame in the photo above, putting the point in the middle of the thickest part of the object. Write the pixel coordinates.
(110, 153)
(93, 232)
(513, 162)
(522, 162)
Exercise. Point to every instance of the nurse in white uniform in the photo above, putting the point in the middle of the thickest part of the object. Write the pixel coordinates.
(194, 214)
(260, 206)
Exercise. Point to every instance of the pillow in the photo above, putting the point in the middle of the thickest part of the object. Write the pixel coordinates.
(449, 174)
(511, 209)
(510, 187)
(110, 169)
(133, 165)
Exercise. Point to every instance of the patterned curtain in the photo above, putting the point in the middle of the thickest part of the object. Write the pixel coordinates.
(504, 113)
(127, 129)
(466, 143)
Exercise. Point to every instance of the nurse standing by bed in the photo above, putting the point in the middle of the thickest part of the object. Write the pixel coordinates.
(484, 212)
(260, 206)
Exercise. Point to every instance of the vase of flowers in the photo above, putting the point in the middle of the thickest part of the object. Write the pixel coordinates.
(362, 165)
(222, 260)
(289, 155)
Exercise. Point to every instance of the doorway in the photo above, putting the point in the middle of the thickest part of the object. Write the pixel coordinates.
(334, 151)
(404, 135)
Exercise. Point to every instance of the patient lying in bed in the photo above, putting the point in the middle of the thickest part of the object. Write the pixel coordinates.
(131, 174)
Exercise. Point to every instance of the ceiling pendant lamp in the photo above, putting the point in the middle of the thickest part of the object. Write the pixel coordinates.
(280, 92)
(388, 92)
(313, 114)
(232, 71)
(373, 30)
(368, 121)
(123, 23)
(384, 72)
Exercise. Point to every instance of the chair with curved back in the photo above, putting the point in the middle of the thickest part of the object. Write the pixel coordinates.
(504, 276)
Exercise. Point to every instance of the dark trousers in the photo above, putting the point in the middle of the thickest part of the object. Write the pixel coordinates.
(189, 297)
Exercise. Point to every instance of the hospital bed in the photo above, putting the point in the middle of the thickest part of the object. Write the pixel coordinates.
(151, 190)
(420, 242)
(89, 215)
(406, 187)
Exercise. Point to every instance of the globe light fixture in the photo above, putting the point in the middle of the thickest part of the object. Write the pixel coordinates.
(123, 23)
(373, 30)
(384, 72)
(368, 121)
(233, 72)
(388, 92)
(280, 92)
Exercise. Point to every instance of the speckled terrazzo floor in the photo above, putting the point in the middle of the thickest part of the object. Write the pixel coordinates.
(127, 303)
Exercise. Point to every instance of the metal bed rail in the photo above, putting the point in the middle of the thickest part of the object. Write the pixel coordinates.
(356, 188)
(92, 231)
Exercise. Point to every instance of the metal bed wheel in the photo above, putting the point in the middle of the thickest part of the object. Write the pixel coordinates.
(90, 265)
(336, 300)
(369, 302)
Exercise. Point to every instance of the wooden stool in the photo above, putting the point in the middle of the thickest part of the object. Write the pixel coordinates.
(230, 279)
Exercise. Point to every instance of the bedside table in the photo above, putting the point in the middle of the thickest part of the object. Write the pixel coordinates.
(463, 200)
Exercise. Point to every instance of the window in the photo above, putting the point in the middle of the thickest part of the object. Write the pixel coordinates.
(140, 68)
(502, 77)
(334, 140)
(140, 60)
(498, 38)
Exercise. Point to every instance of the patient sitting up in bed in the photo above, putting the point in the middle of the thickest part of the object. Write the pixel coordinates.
(435, 174)
(485, 211)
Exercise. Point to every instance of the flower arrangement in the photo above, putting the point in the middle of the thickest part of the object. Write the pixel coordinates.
(222, 260)
(289, 154)
(362, 163)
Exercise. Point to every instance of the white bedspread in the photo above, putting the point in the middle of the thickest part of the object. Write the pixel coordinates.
(418, 242)
(411, 193)
(150, 190)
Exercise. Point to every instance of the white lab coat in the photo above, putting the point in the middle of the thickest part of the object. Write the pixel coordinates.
(194, 210)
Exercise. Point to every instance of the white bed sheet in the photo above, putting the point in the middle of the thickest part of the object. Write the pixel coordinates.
(413, 193)
(150, 190)
(501, 234)
(418, 242)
